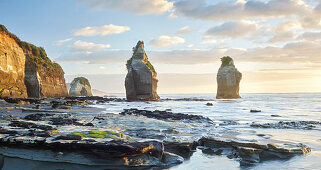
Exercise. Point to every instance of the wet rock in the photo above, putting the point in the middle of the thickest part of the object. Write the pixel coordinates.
(97, 99)
(37, 107)
(39, 133)
(23, 100)
(68, 137)
(164, 115)
(228, 80)
(146, 133)
(171, 131)
(210, 151)
(182, 149)
(61, 106)
(253, 110)
(62, 121)
(288, 125)
(276, 116)
(141, 79)
(6, 131)
(209, 104)
(36, 117)
(251, 153)
(228, 122)
(28, 125)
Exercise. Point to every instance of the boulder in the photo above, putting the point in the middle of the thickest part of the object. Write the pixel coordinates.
(80, 86)
(141, 79)
(228, 80)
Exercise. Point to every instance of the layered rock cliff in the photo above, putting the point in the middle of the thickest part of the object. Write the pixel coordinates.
(228, 80)
(32, 72)
(141, 79)
(12, 66)
(80, 86)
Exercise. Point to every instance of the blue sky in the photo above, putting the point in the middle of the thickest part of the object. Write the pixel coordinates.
(181, 37)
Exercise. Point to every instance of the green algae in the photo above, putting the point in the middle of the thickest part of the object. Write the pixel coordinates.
(100, 134)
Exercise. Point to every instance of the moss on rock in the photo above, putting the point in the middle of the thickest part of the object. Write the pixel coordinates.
(82, 80)
(226, 60)
(100, 134)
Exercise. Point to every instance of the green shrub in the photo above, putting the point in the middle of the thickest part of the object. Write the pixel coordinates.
(226, 60)
(82, 80)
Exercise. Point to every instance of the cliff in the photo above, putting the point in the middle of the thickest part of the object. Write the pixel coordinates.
(12, 67)
(228, 80)
(141, 79)
(80, 86)
(39, 76)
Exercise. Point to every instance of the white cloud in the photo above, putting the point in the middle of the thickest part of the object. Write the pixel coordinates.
(310, 36)
(232, 29)
(240, 10)
(184, 30)
(305, 14)
(283, 36)
(60, 42)
(190, 45)
(297, 52)
(289, 25)
(103, 30)
(165, 41)
(208, 41)
(88, 47)
(132, 6)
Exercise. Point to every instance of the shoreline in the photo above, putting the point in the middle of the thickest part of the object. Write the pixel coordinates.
(77, 122)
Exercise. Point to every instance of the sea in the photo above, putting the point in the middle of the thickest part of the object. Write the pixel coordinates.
(294, 107)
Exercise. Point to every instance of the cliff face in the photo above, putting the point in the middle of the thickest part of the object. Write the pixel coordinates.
(43, 78)
(80, 86)
(228, 80)
(141, 79)
(37, 76)
(12, 67)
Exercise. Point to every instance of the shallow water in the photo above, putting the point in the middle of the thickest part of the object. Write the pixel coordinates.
(274, 107)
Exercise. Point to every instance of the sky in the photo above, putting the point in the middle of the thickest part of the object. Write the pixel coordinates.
(276, 44)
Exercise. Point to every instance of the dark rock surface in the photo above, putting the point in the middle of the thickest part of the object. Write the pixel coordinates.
(288, 125)
(28, 125)
(164, 115)
(251, 153)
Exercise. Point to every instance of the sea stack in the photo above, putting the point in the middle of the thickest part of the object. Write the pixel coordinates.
(228, 80)
(80, 86)
(26, 70)
(141, 79)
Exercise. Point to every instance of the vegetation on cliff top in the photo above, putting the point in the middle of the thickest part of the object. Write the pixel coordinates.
(226, 60)
(82, 80)
(36, 54)
(129, 61)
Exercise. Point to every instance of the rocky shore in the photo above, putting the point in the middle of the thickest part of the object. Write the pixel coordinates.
(72, 132)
